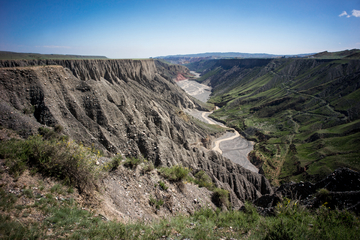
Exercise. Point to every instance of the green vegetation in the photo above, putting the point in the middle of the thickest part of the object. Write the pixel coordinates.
(175, 173)
(155, 202)
(148, 167)
(300, 103)
(67, 161)
(113, 164)
(66, 219)
(210, 128)
(163, 185)
(203, 180)
(132, 162)
(353, 53)
(221, 197)
(207, 75)
(62, 217)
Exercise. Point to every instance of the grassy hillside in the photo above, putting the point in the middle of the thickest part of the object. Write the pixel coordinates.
(353, 53)
(303, 113)
(14, 55)
(32, 207)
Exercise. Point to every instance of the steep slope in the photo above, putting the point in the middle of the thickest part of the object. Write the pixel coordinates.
(304, 113)
(119, 106)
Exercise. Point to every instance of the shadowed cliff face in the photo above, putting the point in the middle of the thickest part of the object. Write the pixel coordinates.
(119, 106)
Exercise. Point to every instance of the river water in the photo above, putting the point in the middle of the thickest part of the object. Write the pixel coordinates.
(231, 145)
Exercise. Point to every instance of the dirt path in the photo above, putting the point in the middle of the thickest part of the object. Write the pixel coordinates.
(217, 142)
(231, 145)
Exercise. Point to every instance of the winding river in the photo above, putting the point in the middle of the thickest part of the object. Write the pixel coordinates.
(231, 145)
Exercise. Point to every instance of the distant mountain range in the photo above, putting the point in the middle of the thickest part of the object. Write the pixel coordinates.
(189, 58)
(5, 55)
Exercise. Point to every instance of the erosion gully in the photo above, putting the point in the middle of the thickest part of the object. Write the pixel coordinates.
(231, 145)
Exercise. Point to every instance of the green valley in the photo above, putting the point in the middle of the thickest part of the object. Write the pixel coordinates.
(303, 113)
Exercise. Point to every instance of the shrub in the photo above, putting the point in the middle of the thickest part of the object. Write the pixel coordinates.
(48, 133)
(7, 200)
(203, 180)
(114, 163)
(58, 128)
(175, 173)
(67, 161)
(156, 203)
(132, 162)
(220, 197)
(29, 110)
(148, 167)
(163, 185)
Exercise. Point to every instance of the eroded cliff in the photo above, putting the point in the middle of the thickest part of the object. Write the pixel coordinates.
(119, 106)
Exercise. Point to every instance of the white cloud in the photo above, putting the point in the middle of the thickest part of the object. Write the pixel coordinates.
(344, 13)
(356, 13)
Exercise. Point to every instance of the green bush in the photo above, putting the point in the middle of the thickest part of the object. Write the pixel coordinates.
(163, 185)
(156, 203)
(220, 197)
(132, 162)
(58, 128)
(148, 167)
(175, 173)
(323, 195)
(7, 200)
(29, 110)
(67, 161)
(48, 133)
(203, 180)
(113, 164)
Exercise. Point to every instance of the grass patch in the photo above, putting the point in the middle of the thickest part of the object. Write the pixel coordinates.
(113, 164)
(220, 197)
(67, 161)
(132, 162)
(163, 185)
(155, 202)
(175, 173)
(66, 219)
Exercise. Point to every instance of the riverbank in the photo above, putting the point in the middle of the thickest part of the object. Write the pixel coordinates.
(231, 145)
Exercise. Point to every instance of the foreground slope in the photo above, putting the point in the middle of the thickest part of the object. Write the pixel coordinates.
(303, 113)
(119, 106)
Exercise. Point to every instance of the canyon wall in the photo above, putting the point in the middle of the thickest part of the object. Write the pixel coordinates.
(130, 107)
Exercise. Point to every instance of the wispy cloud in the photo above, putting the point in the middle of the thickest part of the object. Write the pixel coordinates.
(356, 13)
(344, 13)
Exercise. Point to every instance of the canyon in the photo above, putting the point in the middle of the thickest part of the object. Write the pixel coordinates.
(134, 108)
(130, 107)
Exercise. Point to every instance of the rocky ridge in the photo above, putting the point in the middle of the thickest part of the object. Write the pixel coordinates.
(119, 106)
(339, 190)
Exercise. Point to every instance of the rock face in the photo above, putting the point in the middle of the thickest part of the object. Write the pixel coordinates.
(341, 189)
(119, 106)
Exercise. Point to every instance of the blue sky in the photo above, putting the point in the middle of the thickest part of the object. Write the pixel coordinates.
(150, 28)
